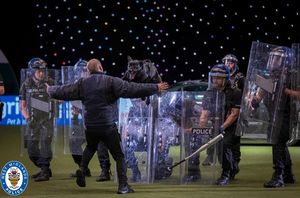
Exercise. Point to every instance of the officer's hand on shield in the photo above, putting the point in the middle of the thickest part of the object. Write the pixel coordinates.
(252, 102)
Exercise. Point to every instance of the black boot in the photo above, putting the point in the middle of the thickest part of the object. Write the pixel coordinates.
(44, 175)
(38, 173)
(104, 176)
(124, 188)
(224, 179)
(80, 178)
(275, 182)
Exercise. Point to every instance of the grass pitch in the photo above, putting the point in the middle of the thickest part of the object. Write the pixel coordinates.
(256, 168)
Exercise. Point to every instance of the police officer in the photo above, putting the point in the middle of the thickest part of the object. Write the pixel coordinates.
(237, 80)
(33, 97)
(220, 78)
(77, 138)
(282, 163)
(99, 94)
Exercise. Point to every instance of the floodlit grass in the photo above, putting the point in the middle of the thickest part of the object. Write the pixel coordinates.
(256, 168)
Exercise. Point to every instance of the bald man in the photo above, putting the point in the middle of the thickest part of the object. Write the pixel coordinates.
(99, 94)
(94, 65)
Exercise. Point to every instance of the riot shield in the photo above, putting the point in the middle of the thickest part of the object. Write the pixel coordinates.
(263, 101)
(295, 104)
(135, 125)
(166, 133)
(40, 132)
(203, 114)
(74, 135)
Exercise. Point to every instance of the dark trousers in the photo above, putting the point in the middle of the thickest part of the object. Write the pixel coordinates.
(281, 155)
(102, 153)
(111, 138)
(77, 139)
(39, 144)
(231, 151)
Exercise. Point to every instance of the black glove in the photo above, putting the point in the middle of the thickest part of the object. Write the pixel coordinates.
(221, 129)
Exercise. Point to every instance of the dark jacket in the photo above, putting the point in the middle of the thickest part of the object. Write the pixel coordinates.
(99, 94)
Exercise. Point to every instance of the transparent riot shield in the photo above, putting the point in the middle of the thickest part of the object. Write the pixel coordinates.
(135, 125)
(40, 132)
(74, 135)
(203, 114)
(263, 100)
(295, 104)
(166, 133)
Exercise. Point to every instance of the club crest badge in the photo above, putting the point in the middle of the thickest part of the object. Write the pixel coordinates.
(14, 178)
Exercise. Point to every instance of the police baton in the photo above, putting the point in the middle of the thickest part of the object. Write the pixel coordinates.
(203, 147)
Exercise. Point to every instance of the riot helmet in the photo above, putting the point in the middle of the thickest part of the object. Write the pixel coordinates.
(37, 68)
(231, 61)
(218, 77)
(278, 59)
(37, 63)
(80, 69)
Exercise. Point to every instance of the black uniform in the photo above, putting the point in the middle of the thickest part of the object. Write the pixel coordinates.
(232, 100)
(39, 129)
(237, 80)
(282, 163)
(99, 94)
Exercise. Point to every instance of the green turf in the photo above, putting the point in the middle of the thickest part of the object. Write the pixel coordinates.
(256, 168)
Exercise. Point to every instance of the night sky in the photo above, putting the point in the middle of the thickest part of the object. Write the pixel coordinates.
(183, 38)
